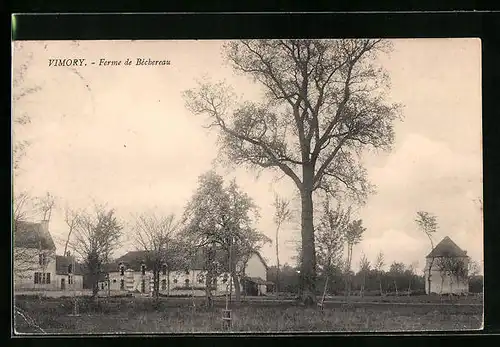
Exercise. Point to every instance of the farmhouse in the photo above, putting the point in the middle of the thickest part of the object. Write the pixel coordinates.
(448, 265)
(36, 265)
(130, 273)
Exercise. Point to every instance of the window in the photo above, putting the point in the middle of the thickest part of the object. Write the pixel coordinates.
(143, 269)
(163, 284)
(122, 285)
(70, 268)
(164, 269)
(186, 282)
(175, 280)
(143, 286)
(102, 286)
(201, 278)
(70, 279)
(114, 280)
(122, 270)
(42, 259)
(42, 278)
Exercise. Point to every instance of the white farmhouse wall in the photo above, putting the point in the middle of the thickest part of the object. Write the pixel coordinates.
(77, 282)
(442, 283)
(26, 265)
(175, 281)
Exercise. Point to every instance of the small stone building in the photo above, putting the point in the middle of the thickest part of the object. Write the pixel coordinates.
(448, 265)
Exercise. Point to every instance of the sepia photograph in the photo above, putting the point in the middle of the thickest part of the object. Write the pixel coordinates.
(246, 186)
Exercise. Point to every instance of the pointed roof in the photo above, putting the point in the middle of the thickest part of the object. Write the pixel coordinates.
(447, 248)
(32, 235)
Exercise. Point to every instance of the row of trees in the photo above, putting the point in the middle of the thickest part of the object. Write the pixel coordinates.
(400, 279)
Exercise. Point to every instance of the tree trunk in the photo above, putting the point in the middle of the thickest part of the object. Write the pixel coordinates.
(277, 264)
(236, 283)
(308, 264)
(208, 289)
(364, 284)
(95, 287)
(429, 274)
(168, 282)
(156, 283)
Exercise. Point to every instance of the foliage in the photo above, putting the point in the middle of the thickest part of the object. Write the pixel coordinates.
(330, 235)
(223, 217)
(97, 234)
(156, 236)
(427, 223)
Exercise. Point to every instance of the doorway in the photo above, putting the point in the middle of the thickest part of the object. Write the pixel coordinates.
(63, 283)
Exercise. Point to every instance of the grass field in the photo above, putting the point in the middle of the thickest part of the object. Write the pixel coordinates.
(144, 315)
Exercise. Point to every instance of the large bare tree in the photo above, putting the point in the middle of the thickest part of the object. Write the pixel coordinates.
(224, 217)
(282, 214)
(324, 103)
(155, 234)
(427, 223)
(96, 235)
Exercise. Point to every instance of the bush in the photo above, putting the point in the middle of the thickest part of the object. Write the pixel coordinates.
(417, 292)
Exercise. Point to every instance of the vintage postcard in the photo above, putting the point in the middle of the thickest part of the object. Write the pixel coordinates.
(205, 186)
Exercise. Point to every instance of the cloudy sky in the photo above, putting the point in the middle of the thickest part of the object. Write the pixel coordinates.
(121, 135)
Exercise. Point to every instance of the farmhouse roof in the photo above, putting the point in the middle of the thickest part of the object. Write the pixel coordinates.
(62, 264)
(447, 248)
(134, 259)
(33, 235)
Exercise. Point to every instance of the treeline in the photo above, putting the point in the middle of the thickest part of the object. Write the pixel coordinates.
(398, 280)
